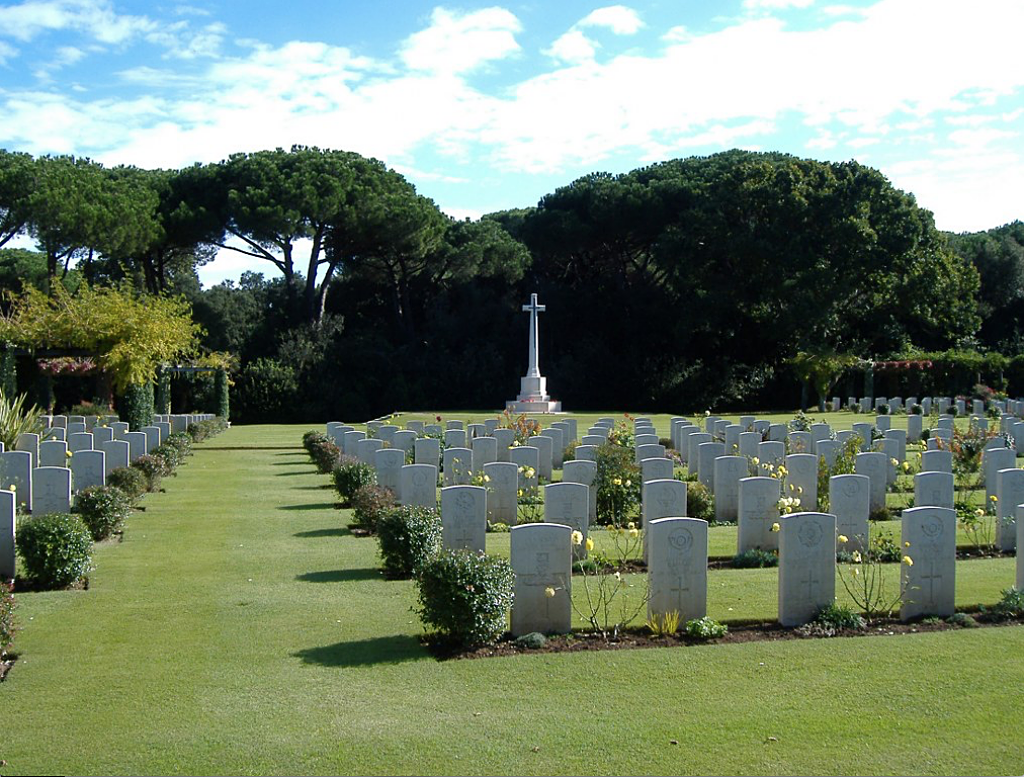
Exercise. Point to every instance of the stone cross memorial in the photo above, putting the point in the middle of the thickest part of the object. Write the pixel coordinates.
(533, 395)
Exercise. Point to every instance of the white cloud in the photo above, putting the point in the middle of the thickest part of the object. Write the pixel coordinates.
(7, 52)
(458, 43)
(863, 142)
(182, 42)
(96, 18)
(775, 5)
(573, 47)
(617, 18)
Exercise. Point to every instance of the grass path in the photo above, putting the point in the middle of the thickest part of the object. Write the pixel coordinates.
(239, 629)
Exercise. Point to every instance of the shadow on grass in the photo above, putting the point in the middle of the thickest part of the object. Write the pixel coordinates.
(321, 487)
(314, 506)
(299, 463)
(365, 652)
(293, 473)
(341, 575)
(338, 531)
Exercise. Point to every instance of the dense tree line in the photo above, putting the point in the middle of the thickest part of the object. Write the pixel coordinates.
(675, 286)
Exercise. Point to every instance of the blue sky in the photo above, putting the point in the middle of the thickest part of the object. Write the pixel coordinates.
(490, 106)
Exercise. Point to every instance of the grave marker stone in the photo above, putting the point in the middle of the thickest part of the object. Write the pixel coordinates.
(541, 555)
(729, 470)
(849, 498)
(807, 566)
(115, 455)
(458, 466)
(16, 470)
(8, 528)
(933, 489)
(706, 454)
(875, 466)
(544, 453)
(485, 450)
(427, 450)
(930, 583)
(389, 462)
(417, 485)
(53, 453)
(937, 461)
(502, 499)
(1010, 493)
(677, 568)
(88, 469)
(51, 490)
(464, 518)
(802, 480)
(758, 510)
(585, 472)
(569, 504)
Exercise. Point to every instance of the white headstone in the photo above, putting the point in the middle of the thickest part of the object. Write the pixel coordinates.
(541, 555)
(458, 466)
(427, 450)
(849, 498)
(389, 462)
(464, 518)
(758, 510)
(807, 566)
(994, 460)
(875, 466)
(1010, 493)
(771, 452)
(16, 470)
(502, 488)
(51, 490)
(455, 438)
(417, 485)
(654, 469)
(662, 499)
(706, 454)
(695, 440)
(116, 455)
(569, 503)
(88, 469)
(485, 451)
(29, 442)
(82, 441)
(525, 458)
(729, 470)
(136, 444)
(404, 440)
(8, 528)
(800, 442)
(937, 461)
(933, 489)
(802, 480)
(929, 584)
(915, 425)
(585, 453)
(504, 439)
(53, 453)
(585, 472)
(677, 568)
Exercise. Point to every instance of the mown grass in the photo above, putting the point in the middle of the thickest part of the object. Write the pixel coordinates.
(240, 629)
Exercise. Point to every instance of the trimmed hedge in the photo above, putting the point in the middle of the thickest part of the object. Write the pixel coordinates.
(408, 537)
(465, 597)
(56, 549)
(104, 510)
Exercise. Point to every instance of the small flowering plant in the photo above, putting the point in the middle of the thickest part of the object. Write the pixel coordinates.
(612, 597)
(864, 579)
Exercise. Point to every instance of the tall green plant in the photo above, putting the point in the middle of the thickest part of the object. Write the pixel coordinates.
(17, 418)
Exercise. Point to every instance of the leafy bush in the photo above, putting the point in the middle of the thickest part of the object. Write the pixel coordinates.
(963, 620)
(699, 501)
(266, 390)
(311, 438)
(705, 628)
(56, 549)
(89, 408)
(136, 406)
(368, 502)
(325, 455)
(755, 558)
(172, 456)
(153, 468)
(498, 527)
(204, 430)
(129, 480)
(618, 484)
(885, 548)
(181, 442)
(841, 616)
(103, 509)
(569, 452)
(408, 537)
(349, 474)
(666, 442)
(465, 597)
(916, 409)
(1011, 605)
(7, 624)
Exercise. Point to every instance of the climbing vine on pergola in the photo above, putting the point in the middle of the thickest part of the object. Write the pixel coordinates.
(129, 335)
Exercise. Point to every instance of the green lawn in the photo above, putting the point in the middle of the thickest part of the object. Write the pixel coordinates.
(240, 629)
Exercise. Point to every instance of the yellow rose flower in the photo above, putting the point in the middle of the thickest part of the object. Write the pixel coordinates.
(577, 538)
(12, 487)
(908, 561)
(856, 557)
(776, 526)
(843, 538)
(634, 533)
(549, 592)
(631, 525)
(590, 544)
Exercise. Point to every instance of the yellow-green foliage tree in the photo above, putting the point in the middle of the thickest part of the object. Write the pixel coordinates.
(130, 334)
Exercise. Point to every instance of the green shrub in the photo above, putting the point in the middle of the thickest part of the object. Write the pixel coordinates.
(618, 484)
(181, 442)
(755, 558)
(221, 394)
(407, 538)
(368, 502)
(311, 438)
(498, 527)
(103, 509)
(705, 628)
(569, 452)
(666, 442)
(172, 456)
(465, 597)
(963, 620)
(840, 617)
(349, 474)
(162, 392)
(1011, 605)
(916, 409)
(7, 625)
(56, 549)
(325, 455)
(153, 468)
(136, 406)
(89, 408)
(885, 548)
(699, 501)
(129, 480)
(266, 390)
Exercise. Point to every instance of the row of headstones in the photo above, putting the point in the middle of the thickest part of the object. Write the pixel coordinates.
(933, 486)
(541, 556)
(466, 451)
(45, 478)
(941, 404)
(61, 427)
(47, 470)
